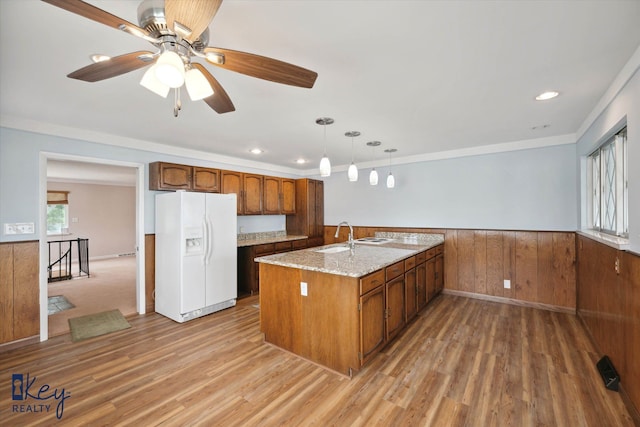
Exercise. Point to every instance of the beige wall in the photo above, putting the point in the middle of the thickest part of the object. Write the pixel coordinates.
(106, 215)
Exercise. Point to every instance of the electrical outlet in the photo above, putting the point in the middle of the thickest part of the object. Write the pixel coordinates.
(507, 284)
(303, 289)
(10, 229)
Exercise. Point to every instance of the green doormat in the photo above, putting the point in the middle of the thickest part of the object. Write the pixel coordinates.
(94, 325)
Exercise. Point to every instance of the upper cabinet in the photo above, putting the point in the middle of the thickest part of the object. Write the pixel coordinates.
(171, 176)
(248, 188)
(257, 194)
(279, 196)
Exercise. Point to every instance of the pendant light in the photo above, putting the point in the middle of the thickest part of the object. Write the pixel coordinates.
(325, 164)
(391, 181)
(352, 173)
(373, 175)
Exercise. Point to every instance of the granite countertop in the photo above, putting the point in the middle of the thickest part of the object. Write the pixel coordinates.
(364, 259)
(252, 239)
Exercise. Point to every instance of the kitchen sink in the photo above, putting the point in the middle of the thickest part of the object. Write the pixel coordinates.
(333, 250)
(374, 240)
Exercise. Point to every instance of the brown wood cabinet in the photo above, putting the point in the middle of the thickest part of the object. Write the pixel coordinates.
(308, 219)
(342, 322)
(248, 188)
(248, 269)
(410, 289)
(372, 322)
(172, 176)
(279, 196)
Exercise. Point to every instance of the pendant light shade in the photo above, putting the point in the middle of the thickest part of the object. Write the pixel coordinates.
(325, 164)
(169, 69)
(373, 177)
(197, 85)
(391, 181)
(352, 172)
(325, 167)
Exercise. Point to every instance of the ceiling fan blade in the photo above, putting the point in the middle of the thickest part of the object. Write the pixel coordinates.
(190, 18)
(219, 101)
(91, 12)
(113, 67)
(264, 68)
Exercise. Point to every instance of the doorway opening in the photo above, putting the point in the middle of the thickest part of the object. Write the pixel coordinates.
(104, 212)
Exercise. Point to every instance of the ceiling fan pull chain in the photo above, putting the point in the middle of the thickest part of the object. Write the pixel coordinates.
(177, 103)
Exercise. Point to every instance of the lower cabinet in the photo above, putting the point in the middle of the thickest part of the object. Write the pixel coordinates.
(341, 322)
(248, 269)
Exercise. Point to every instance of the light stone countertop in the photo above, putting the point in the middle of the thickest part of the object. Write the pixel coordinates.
(364, 259)
(261, 238)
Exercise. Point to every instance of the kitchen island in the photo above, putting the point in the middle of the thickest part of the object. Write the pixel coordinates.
(338, 306)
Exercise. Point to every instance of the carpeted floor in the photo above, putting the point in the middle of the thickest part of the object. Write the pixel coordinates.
(112, 285)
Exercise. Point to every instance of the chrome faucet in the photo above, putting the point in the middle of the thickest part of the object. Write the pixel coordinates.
(351, 243)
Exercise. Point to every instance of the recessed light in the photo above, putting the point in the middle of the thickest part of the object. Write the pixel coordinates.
(547, 95)
(301, 161)
(99, 57)
(256, 151)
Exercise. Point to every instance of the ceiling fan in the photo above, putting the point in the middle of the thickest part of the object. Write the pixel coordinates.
(179, 31)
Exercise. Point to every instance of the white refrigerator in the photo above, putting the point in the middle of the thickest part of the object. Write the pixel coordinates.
(196, 254)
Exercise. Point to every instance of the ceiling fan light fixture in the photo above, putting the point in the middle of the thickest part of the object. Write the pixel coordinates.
(197, 85)
(151, 82)
(169, 69)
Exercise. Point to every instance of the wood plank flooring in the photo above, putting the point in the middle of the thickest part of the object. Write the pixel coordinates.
(462, 362)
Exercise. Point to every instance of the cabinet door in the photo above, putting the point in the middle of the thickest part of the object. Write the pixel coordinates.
(431, 278)
(288, 196)
(421, 286)
(252, 194)
(372, 323)
(169, 176)
(271, 195)
(206, 179)
(395, 306)
(232, 184)
(439, 273)
(319, 210)
(410, 294)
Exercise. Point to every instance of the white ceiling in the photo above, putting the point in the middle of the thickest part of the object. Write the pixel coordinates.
(420, 76)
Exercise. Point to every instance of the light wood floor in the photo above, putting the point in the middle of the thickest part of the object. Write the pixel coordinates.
(463, 362)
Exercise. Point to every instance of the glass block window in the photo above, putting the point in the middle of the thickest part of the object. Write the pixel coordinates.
(609, 187)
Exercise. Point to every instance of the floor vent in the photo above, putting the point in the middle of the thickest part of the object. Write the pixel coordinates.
(609, 373)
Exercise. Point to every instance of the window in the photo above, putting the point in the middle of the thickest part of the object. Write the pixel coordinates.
(57, 212)
(608, 183)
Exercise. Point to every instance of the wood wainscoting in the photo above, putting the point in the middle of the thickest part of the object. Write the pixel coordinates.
(539, 264)
(608, 284)
(19, 292)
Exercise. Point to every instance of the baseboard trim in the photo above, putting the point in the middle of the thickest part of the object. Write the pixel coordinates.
(19, 343)
(511, 301)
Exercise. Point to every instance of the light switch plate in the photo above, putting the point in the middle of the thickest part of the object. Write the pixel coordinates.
(507, 284)
(303, 289)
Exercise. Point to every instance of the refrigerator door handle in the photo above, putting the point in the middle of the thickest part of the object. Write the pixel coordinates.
(205, 252)
(209, 238)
